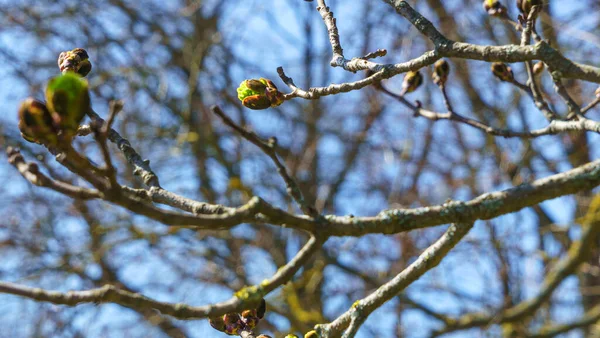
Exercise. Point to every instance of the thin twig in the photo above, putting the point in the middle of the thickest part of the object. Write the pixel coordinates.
(555, 127)
(269, 148)
(141, 166)
(590, 106)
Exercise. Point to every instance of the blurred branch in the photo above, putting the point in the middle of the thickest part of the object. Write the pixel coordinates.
(244, 299)
(589, 318)
(578, 253)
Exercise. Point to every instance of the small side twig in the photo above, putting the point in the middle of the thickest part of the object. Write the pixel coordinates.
(375, 54)
(555, 127)
(101, 130)
(535, 91)
(142, 167)
(590, 106)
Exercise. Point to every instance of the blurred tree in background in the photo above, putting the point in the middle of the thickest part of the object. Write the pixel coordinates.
(525, 269)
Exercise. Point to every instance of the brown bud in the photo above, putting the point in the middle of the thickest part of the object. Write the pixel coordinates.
(502, 71)
(538, 68)
(76, 60)
(441, 70)
(525, 5)
(259, 94)
(35, 123)
(412, 81)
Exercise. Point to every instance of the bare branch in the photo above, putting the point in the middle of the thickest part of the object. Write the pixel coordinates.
(430, 258)
(31, 172)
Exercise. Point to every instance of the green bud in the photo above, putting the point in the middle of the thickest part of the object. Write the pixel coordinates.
(259, 94)
(412, 81)
(35, 123)
(76, 60)
(68, 100)
(502, 72)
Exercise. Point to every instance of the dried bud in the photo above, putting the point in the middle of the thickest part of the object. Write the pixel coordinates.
(68, 100)
(502, 71)
(525, 5)
(494, 7)
(250, 318)
(441, 70)
(259, 94)
(35, 123)
(597, 92)
(76, 60)
(412, 81)
(538, 68)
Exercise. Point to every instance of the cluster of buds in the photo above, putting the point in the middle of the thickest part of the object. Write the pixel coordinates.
(412, 81)
(494, 8)
(234, 323)
(441, 70)
(76, 60)
(67, 102)
(259, 94)
(525, 6)
(502, 72)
